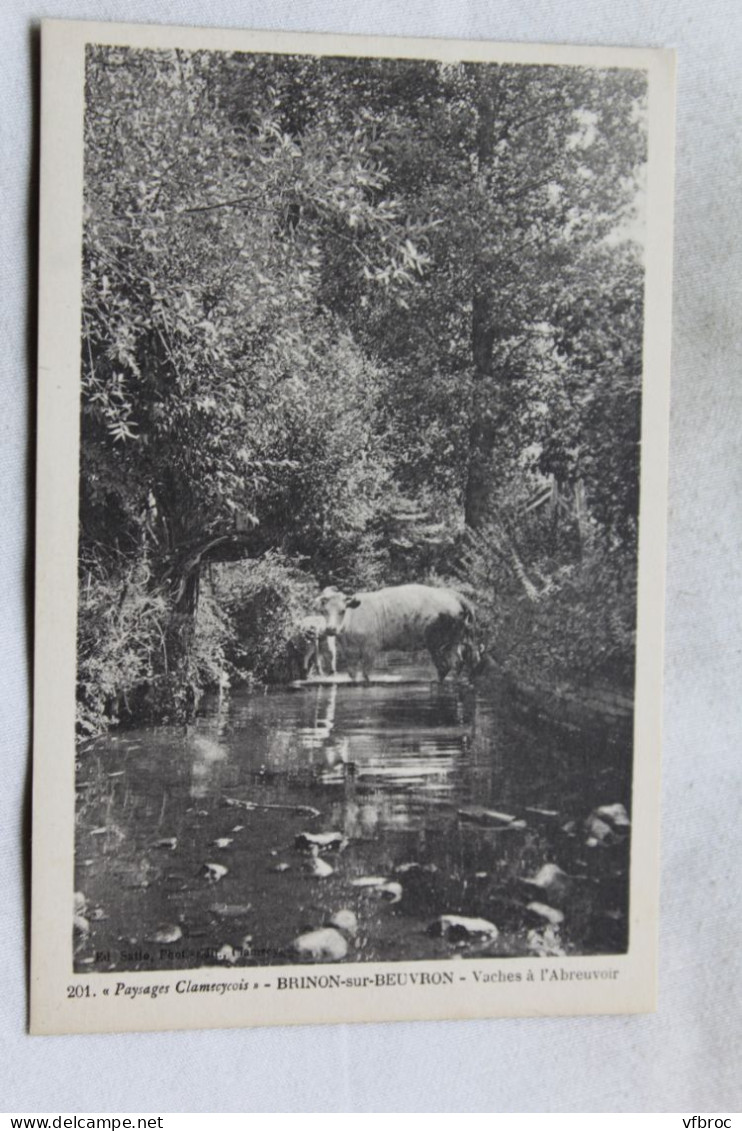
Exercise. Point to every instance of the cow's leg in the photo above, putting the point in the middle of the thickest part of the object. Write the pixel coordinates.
(332, 650)
(461, 659)
(367, 663)
(469, 658)
(443, 665)
(318, 657)
(308, 659)
(438, 639)
(352, 663)
(359, 665)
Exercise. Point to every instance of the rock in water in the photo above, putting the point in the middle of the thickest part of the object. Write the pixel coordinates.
(598, 832)
(481, 816)
(80, 924)
(551, 881)
(214, 872)
(318, 867)
(607, 825)
(459, 928)
(323, 842)
(546, 943)
(345, 920)
(228, 954)
(324, 945)
(169, 933)
(616, 814)
(412, 867)
(391, 891)
(546, 914)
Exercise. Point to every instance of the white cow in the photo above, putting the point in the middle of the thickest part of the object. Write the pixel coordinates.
(406, 618)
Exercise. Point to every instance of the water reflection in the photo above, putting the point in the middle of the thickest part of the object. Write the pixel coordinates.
(387, 746)
(207, 754)
(402, 771)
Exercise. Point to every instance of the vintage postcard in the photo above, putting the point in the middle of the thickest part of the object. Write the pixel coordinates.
(353, 418)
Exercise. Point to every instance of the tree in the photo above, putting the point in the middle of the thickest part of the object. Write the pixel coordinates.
(515, 176)
(341, 309)
(208, 234)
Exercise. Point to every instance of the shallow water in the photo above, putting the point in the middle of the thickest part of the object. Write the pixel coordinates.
(406, 773)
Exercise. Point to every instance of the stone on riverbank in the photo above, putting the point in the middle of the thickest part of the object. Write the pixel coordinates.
(214, 872)
(460, 928)
(552, 881)
(323, 842)
(344, 920)
(318, 867)
(477, 814)
(543, 913)
(606, 825)
(326, 944)
(168, 933)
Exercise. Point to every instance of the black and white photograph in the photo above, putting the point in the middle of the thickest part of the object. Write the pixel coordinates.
(361, 378)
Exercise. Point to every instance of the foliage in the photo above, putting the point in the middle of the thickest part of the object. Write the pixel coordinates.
(530, 176)
(264, 601)
(337, 312)
(570, 621)
(136, 654)
(201, 330)
(120, 639)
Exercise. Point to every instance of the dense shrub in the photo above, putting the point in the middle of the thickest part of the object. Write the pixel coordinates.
(138, 656)
(570, 622)
(121, 623)
(263, 601)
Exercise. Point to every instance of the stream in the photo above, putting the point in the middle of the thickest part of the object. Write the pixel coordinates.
(194, 845)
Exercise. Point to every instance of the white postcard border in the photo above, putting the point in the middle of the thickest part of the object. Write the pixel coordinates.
(633, 988)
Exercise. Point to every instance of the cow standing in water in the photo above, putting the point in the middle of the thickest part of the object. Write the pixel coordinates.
(406, 618)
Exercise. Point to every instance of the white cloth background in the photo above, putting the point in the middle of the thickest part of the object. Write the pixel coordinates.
(686, 1056)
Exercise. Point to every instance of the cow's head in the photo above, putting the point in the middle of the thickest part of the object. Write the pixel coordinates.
(471, 658)
(333, 605)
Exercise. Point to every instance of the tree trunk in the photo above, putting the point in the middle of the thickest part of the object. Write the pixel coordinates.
(482, 432)
(482, 423)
